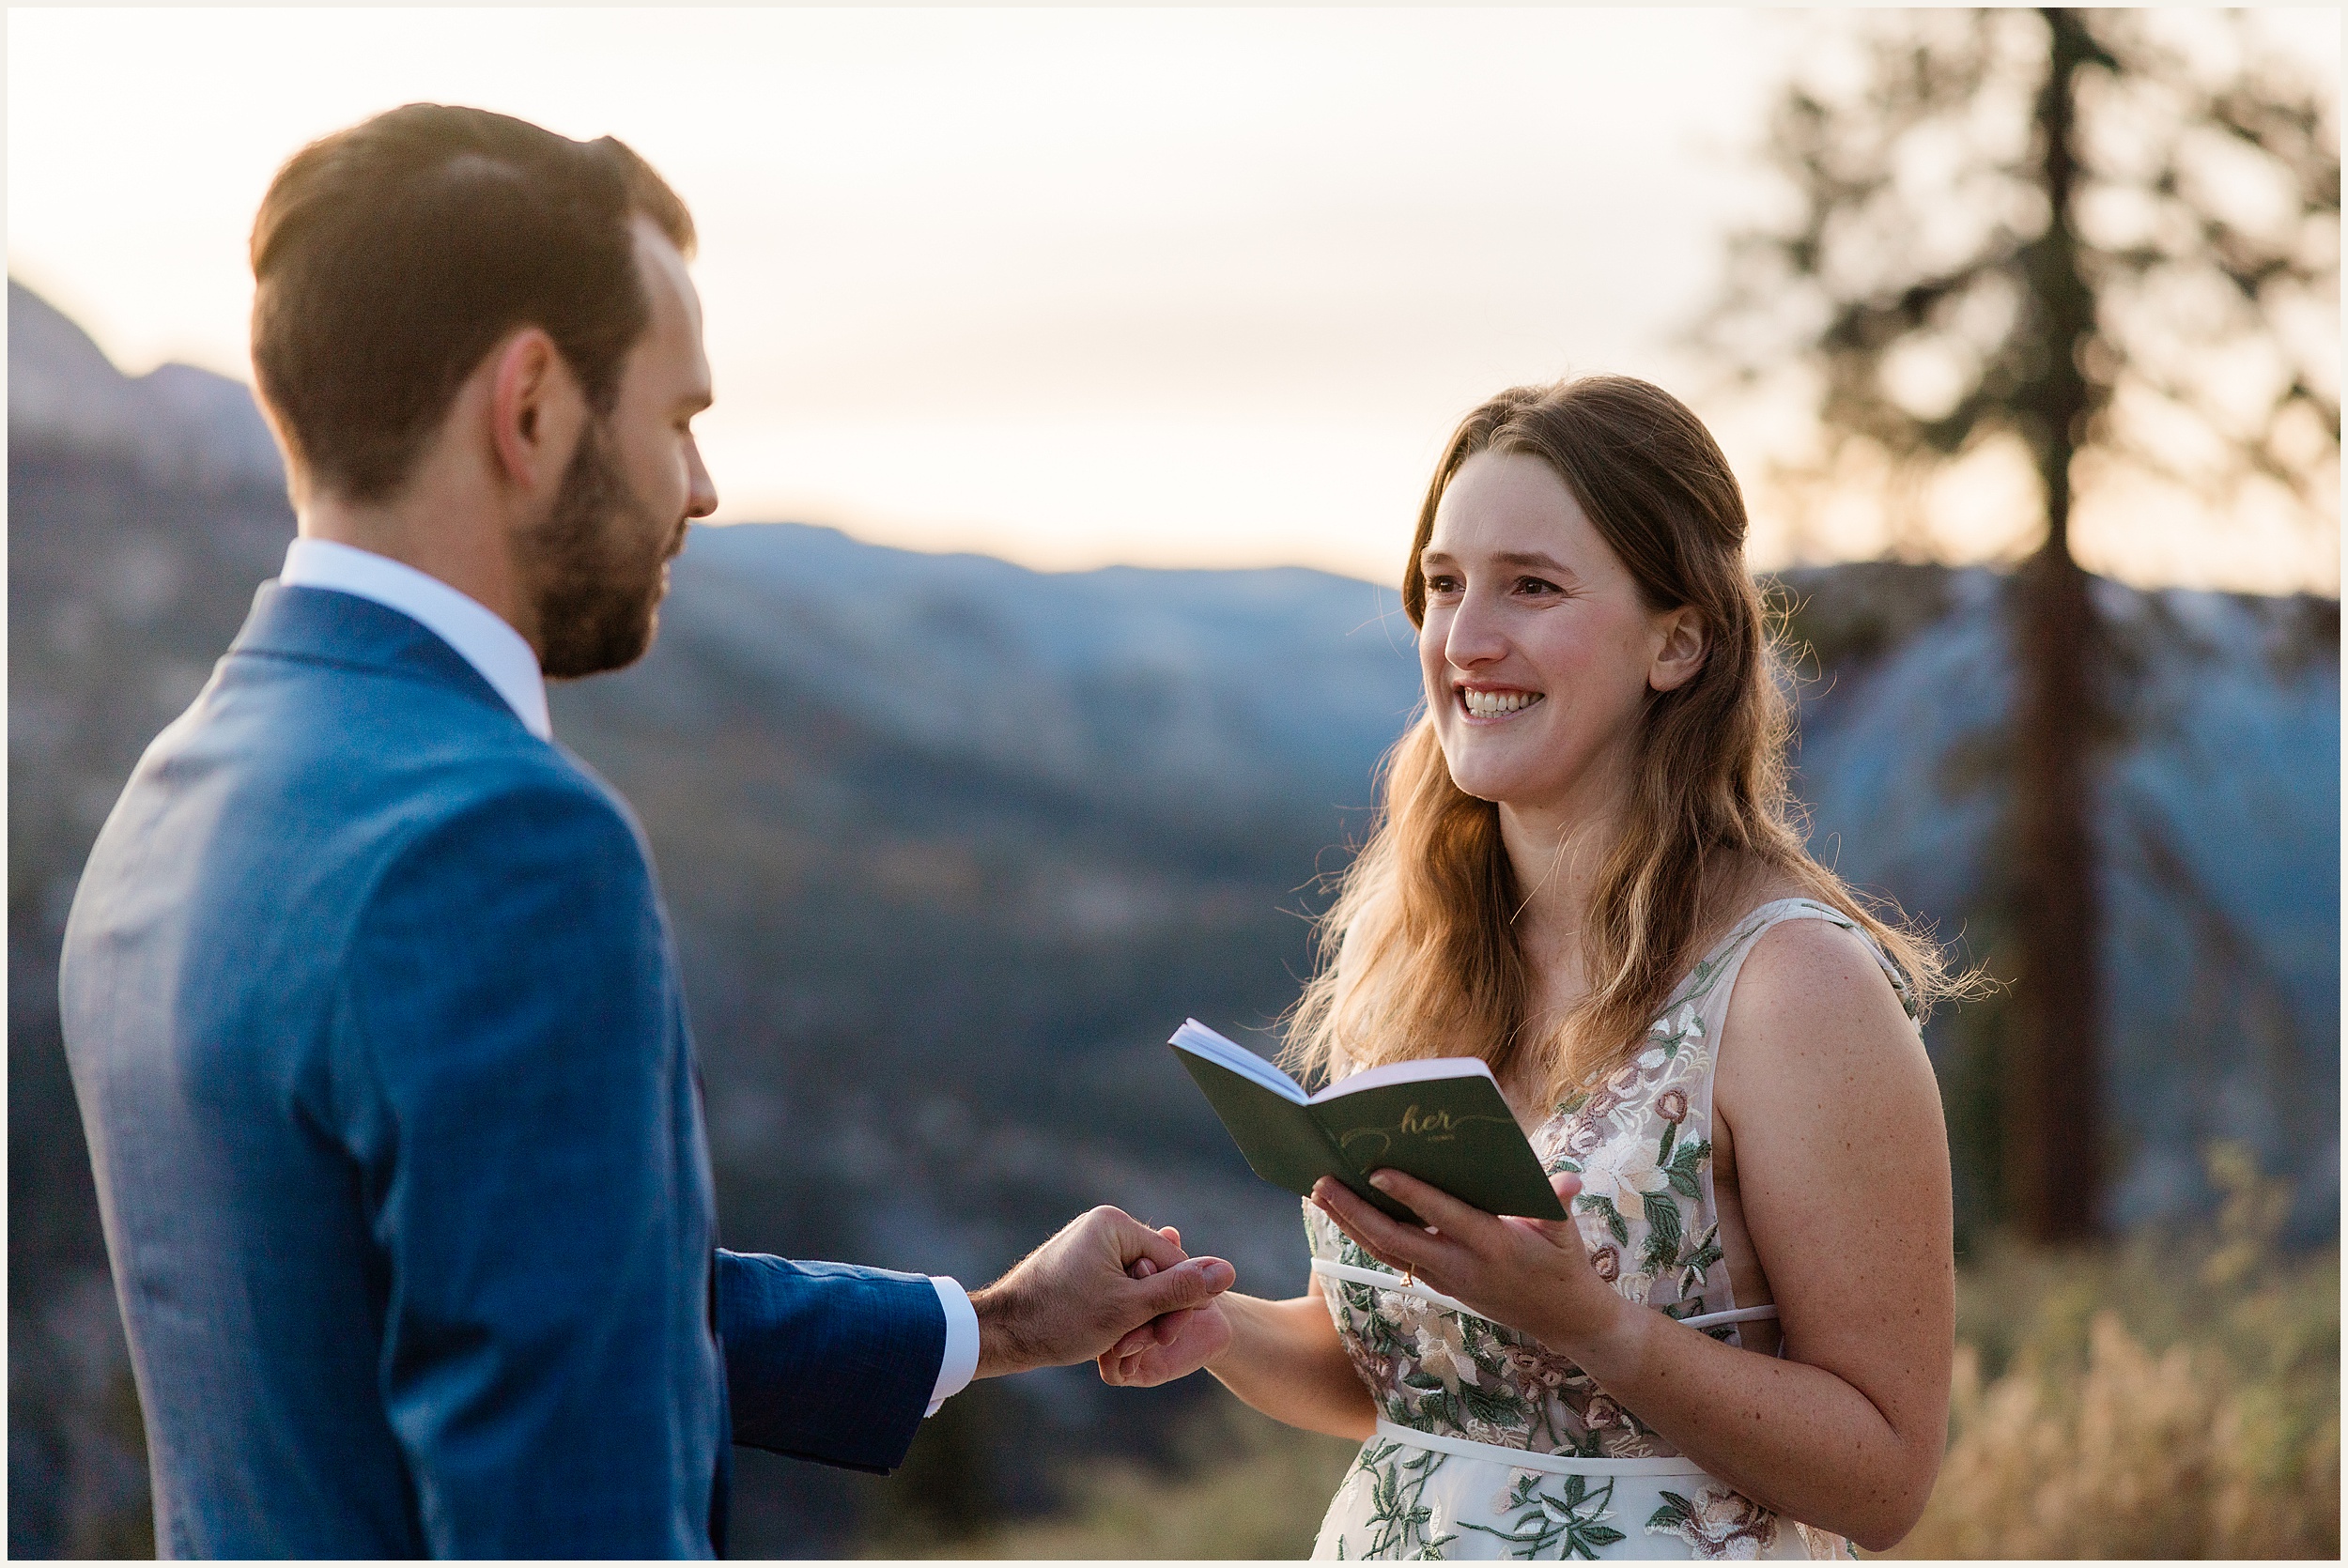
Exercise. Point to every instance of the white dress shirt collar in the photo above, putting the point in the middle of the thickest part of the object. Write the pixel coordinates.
(480, 636)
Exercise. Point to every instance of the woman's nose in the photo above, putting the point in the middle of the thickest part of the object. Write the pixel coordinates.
(1474, 638)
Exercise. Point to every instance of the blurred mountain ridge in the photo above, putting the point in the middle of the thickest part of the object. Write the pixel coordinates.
(1247, 685)
(950, 845)
(178, 425)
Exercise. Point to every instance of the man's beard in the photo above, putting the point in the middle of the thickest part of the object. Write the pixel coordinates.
(598, 557)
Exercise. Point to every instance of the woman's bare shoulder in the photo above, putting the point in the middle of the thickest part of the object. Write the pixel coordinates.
(1813, 950)
(1822, 1088)
(1814, 1010)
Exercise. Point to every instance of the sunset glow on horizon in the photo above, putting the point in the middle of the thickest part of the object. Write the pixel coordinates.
(1073, 287)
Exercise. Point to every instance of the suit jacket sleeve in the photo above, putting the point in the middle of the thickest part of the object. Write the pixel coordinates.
(511, 1078)
(828, 1363)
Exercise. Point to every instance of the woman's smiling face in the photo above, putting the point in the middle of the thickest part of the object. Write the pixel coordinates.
(1538, 652)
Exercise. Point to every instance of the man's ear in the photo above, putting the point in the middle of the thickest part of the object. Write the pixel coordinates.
(1685, 640)
(537, 410)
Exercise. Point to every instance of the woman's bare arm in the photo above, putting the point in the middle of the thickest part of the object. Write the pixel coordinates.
(1843, 1160)
(1841, 1168)
(1284, 1358)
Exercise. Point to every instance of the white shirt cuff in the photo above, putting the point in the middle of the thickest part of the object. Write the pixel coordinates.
(961, 1343)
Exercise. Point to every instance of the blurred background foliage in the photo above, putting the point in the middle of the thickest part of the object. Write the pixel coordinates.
(950, 845)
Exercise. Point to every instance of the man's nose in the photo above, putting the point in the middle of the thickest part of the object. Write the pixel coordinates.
(701, 491)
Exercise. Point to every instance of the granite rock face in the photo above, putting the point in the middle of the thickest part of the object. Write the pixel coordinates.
(2218, 819)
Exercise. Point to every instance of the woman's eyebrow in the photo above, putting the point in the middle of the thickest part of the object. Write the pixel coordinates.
(1525, 560)
(1534, 559)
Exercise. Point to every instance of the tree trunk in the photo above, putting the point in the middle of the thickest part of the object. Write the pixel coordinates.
(2053, 1088)
(2053, 1165)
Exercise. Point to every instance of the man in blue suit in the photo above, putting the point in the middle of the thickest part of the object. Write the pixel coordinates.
(369, 991)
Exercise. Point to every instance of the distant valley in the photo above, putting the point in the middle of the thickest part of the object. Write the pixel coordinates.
(951, 845)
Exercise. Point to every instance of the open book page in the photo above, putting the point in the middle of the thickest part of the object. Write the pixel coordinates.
(1423, 1071)
(1441, 1119)
(1199, 1041)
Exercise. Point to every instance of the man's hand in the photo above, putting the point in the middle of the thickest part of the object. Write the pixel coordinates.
(1078, 1295)
(1165, 1347)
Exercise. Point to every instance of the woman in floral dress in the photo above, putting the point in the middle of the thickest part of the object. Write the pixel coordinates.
(1587, 872)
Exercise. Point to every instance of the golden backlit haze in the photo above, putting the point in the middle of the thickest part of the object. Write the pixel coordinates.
(1200, 287)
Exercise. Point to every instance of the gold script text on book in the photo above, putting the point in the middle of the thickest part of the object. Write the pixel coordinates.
(1441, 1127)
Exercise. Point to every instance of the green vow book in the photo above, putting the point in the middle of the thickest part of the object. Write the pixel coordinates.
(1441, 1120)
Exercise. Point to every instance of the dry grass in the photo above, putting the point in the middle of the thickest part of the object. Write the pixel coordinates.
(2138, 1454)
(2173, 1395)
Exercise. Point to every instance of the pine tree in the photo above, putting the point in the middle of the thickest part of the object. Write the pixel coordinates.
(2114, 248)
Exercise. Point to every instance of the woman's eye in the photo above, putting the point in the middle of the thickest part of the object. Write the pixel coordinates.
(1440, 583)
(1535, 585)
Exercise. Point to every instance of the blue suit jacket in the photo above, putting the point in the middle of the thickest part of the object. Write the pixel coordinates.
(376, 1024)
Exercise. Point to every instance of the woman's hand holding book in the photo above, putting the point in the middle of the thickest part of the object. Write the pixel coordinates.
(1532, 1275)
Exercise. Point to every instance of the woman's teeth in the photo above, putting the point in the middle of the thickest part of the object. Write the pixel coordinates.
(1491, 704)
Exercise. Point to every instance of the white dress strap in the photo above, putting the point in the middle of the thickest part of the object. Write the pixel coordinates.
(1384, 1280)
(1762, 1314)
(1525, 1459)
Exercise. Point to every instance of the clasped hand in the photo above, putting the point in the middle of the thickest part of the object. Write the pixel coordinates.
(1072, 1298)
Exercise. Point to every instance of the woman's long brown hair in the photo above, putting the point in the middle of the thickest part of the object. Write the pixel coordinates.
(1419, 955)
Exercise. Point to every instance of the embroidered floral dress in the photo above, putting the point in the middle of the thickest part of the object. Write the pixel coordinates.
(1487, 1445)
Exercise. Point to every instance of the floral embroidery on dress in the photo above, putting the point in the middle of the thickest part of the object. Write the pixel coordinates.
(1717, 1524)
(1466, 1377)
(1822, 1545)
(1398, 1520)
(1559, 1516)
(1640, 1141)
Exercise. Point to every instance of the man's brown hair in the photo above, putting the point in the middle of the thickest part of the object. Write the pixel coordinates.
(390, 257)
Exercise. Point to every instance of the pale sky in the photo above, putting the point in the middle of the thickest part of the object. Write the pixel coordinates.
(1195, 288)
